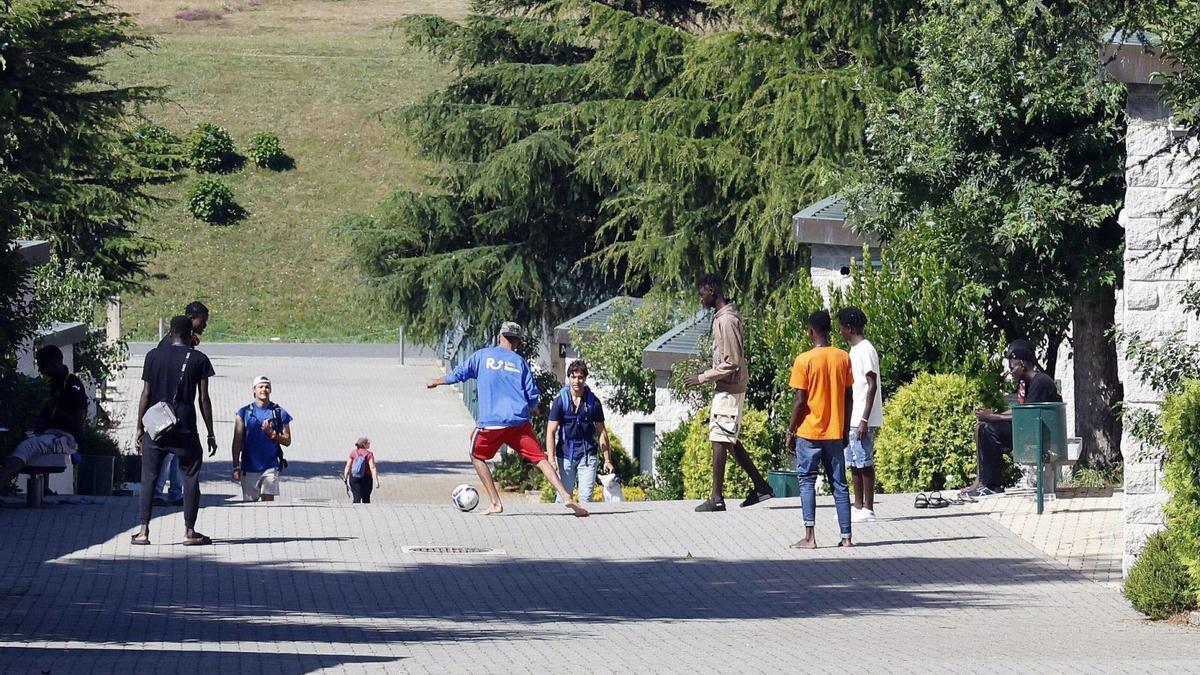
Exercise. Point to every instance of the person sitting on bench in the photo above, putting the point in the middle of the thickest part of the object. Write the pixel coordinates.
(60, 421)
(993, 431)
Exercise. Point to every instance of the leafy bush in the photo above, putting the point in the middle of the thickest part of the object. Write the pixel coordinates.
(67, 290)
(928, 436)
(209, 148)
(614, 356)
(157, 147)
(266, 150)
(697, 455)
(1158, 584)
(668, 465)
(515, 474)
(212, 201)
(1181, 431)
(952, 335)
(23, 398)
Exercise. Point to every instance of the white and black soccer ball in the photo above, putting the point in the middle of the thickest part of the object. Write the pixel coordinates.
(465, 497)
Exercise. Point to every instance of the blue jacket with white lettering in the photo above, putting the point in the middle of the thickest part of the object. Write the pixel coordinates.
(507, 392)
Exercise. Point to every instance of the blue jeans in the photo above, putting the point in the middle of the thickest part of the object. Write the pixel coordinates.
(812, 456)
(170, 469)
(583, 468)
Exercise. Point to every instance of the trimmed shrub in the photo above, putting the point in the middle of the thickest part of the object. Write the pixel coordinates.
(1181, 433)
(266, 150)
(1158, 584)
(211, 200)
(515, 474)
(928, 436)
(209, 148)
(697, 455)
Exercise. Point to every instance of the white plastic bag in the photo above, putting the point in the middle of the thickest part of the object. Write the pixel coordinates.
(612, 487)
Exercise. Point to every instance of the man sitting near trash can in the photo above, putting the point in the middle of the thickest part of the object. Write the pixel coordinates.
(60, 421)
(994, 431)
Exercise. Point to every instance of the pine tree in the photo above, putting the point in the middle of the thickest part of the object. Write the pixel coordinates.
(66, 172)
(595, 146)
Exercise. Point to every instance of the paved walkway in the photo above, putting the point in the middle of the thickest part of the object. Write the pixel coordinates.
(336, 393)
(299, 587)
(312, 583)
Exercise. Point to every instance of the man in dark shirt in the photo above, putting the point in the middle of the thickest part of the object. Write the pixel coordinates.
(175, 374)
(198, 313)
(993, 431)
(59, 422)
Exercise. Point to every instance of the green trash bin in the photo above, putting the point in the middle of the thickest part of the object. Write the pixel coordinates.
(784, 483)
(1039, 438)
(1039, 426)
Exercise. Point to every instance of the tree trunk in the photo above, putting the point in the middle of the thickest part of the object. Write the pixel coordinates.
(1097, 389)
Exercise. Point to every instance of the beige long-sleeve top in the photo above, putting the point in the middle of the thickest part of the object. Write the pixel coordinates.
(730, 372)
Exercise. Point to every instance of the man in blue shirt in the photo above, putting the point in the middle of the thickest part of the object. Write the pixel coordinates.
(576, 423)
(508, 399)
(260, 433)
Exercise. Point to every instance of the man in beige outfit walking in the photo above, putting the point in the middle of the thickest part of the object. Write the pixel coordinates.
(730, 374)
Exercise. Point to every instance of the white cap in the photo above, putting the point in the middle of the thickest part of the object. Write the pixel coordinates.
(261, 379)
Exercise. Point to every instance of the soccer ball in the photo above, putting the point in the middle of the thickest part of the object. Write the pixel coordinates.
(465, 497)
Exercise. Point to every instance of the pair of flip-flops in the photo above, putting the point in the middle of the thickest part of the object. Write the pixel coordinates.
(933, 500)
(202, 540)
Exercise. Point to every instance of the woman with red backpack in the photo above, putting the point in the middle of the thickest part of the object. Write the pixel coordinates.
(360, 471)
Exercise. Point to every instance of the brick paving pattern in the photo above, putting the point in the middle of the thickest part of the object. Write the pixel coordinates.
(305, 586)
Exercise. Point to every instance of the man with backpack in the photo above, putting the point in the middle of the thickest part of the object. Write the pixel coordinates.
(260, 433)
(198, 313)
(576, 423)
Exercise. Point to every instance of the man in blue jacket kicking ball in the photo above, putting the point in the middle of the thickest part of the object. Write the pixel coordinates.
(508, 399)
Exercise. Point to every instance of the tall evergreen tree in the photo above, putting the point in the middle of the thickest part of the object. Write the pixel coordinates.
(594, 145)
(66, 172)
(1006, 157)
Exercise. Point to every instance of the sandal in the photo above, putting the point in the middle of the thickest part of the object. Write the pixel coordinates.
(200, 540)
(138, 540)
(921, 501)
(937, 501)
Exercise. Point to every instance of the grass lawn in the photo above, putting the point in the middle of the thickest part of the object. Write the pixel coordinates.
(318, 73)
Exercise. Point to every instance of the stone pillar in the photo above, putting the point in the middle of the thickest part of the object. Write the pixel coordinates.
(1151, 302)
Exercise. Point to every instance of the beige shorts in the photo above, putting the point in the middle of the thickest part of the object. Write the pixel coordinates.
(49, 442)
(255, 485)
(725, 419)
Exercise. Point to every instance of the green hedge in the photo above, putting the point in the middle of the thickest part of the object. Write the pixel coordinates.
(1158, 584)
(697, 455)
(928, 437)
(1181, 433)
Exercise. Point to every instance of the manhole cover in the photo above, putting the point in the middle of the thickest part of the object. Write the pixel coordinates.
(453, 550)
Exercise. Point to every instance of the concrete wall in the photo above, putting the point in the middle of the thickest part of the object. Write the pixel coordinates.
(1150, 304)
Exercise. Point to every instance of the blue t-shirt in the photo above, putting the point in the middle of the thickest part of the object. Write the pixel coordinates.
(507, 391)
(576, 424)
(259, 452)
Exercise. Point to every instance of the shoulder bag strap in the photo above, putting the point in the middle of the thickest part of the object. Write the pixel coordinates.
(182, 373)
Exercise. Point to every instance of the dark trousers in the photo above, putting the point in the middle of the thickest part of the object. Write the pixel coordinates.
(361, 489)
(992, 440)
(190, 459)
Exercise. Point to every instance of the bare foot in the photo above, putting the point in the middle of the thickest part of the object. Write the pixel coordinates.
(846, 543)
(580, 512)
(494, 509)
(805, 544)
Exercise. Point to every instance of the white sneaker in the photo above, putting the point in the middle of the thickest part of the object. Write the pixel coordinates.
(858, 515)
(869, 517)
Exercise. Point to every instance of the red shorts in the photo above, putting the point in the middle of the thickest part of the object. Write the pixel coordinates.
(485, 443)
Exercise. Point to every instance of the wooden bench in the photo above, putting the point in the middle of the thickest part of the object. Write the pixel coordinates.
(39, 469)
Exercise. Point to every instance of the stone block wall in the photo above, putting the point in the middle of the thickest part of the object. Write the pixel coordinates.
(1151, 302)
